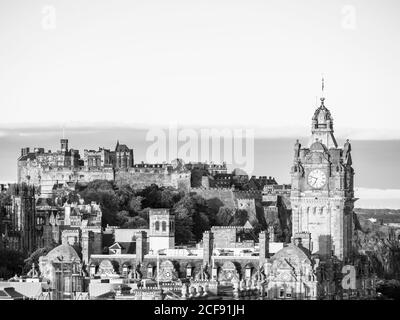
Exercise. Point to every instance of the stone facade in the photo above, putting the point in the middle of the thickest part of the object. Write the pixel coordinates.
(161, 229)
(45, 169)
(322, 193)
(19, 220)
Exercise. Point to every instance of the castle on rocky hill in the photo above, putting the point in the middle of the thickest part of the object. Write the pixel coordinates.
(46, 169)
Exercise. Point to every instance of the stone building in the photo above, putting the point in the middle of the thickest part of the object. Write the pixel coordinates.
(46, 169)
(63, 270)
(277, 211)
(161, 229)
(19, 218)
(322, 192)
(290, 274)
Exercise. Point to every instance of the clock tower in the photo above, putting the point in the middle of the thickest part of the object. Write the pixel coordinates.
(322, 194)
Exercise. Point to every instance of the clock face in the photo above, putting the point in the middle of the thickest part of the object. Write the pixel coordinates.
(316, 178)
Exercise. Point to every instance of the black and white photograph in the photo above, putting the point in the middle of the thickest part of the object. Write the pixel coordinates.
(215, 152)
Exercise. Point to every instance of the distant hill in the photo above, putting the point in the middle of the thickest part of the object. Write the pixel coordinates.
(381, 215)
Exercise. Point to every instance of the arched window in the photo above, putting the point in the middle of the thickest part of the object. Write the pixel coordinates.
(164, 226)
(157, 225)
(248, 272)
(125, 270)
(189, 269)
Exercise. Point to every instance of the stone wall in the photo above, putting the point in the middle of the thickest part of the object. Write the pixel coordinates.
(140, 179)
(39, 175)
(46, 177)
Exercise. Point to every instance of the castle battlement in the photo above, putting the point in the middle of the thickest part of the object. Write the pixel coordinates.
(199, 189)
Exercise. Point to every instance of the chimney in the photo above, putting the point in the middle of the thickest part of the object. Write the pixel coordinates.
(141, 245)
(303, 239)
(24, 151)
(64, 145)
(263, 246)
(208, 240)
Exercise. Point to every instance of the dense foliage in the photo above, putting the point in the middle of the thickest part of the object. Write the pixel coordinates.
(128, 208)
(11, 263)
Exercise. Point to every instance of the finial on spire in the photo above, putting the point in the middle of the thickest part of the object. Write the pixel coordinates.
(322, 89)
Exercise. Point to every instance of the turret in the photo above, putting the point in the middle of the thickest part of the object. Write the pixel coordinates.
(64, 145)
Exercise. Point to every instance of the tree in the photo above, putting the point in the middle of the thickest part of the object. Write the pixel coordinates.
(122, 218)
(125, 193)
(11, 263)
(102, 192)
(135, 204)
(183, 221)
(224, 216)
(152, 197)
(168, 198)
(201, 223)
(240, 218)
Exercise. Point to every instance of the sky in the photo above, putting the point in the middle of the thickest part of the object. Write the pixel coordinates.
(135, 64)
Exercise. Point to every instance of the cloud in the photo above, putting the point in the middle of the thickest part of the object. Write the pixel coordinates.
(377, 198)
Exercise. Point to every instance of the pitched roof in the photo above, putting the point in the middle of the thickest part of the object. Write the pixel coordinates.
(31, 156)
(65, 251)
(126, 247)
(248, 225)
(26, 289)
(122, 148)
(9, 293)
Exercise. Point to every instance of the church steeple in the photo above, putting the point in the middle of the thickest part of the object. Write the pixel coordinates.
(322, 124)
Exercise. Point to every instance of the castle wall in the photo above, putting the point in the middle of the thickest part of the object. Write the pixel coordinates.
(39, 175)
(140, 178)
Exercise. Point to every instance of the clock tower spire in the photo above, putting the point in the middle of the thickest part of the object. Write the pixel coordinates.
(322, 194)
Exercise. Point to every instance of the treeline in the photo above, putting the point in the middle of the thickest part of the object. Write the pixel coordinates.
(11, 263)
(126, 207)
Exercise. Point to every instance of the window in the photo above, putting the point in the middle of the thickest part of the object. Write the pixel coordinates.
(248, 272)
(164, 226)
(92, 270)
(281, 293)
(125, 270)
(157, 225)
(188, 271)
(150, 271)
